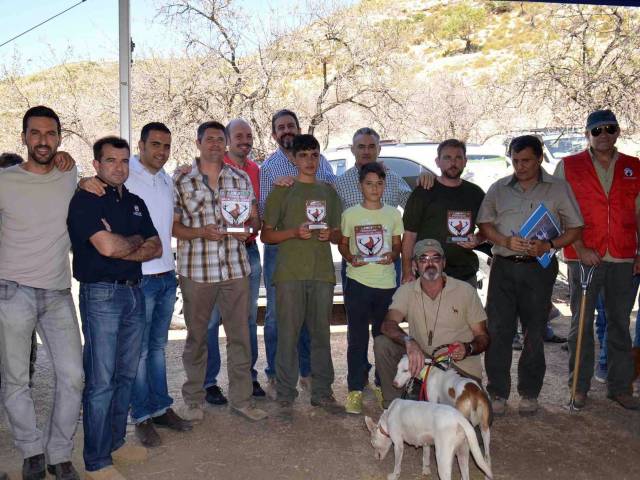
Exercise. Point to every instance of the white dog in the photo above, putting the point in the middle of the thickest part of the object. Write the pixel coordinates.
(423, 424)
(448, 387)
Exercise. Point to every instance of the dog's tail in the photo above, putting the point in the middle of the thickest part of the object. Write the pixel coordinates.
(474, 447)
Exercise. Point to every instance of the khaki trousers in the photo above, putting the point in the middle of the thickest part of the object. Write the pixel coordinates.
(232, 297)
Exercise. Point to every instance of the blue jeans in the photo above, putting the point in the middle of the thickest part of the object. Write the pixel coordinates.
(150, 395)
(271, 322)
(113, 325)
(601, 325)
(213, 355)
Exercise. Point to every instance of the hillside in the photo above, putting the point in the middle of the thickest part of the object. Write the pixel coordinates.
(412, 69)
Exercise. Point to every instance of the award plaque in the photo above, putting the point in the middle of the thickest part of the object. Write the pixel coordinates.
(316, 212)
(459, 226)
(370, 242)
(235, 206)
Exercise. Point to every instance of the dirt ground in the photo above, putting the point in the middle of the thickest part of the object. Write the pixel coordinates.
(601, 442)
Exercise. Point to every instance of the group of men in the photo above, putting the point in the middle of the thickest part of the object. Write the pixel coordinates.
(119, 226)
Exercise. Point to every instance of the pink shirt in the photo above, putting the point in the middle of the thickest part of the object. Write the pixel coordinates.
(250, 168)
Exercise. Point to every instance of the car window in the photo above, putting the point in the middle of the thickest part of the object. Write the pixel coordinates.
(407, 169)
(484, 157)
(338, 166)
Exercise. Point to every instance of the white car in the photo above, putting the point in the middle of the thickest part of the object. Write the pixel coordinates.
(484, 164)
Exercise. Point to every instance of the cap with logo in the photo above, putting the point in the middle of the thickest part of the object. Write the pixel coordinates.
(427, 245)
(601, 117)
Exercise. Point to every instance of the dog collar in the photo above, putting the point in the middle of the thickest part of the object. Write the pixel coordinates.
(382, 431)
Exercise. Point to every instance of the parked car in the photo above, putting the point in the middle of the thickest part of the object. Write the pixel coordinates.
(409, 160)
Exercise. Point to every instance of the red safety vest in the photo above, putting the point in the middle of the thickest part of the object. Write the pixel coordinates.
(609, 222)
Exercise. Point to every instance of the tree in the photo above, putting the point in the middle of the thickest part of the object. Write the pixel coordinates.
(462, 21)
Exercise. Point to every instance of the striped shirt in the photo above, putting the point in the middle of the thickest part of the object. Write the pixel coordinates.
(396, 191)
(279, 165)
(198, 205)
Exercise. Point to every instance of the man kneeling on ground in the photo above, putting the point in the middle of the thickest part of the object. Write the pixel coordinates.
(440, 310)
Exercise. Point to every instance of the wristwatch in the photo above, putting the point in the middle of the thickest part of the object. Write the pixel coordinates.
(468, 349)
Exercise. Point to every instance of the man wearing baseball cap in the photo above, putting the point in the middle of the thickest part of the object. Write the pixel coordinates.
(440, 310)
(606, 184)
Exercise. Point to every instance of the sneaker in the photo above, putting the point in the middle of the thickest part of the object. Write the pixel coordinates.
(600, 374)
(305, 383)
(192, 413)
(215, 396)
(257, 390)
(285, 411)
(271, 391)
(579, 401)
(328, 404)
(354, 402)
(499, 406)
(377, 391)
(517, 342)
(527, 406)
(63, 471)
(130, 453)
(173, 421)
(250, 413)
(33, 467)
(106, 473)
(146, 433)
(625, 400)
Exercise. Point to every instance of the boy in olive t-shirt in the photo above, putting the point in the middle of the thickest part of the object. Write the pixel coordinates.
(303, 219)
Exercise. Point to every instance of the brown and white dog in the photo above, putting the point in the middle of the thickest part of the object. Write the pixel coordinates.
(423, 424)
(450, 388)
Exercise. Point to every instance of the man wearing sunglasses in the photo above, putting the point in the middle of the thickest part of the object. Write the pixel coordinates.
(440, 310)
(606, 184)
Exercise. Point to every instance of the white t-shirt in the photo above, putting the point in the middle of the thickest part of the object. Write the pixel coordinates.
(157, 192)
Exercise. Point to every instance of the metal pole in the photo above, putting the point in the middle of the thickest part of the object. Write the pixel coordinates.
(125, 69)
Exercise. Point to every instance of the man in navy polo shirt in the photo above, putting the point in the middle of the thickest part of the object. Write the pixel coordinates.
(110, 236)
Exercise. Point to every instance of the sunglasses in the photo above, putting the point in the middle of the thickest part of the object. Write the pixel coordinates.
(610, 129)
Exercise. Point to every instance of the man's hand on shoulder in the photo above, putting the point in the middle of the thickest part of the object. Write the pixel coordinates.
(63, 161)
(427, 180)
(93, 185)
(284, 181)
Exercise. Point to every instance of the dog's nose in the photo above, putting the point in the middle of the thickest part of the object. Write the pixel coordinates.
(395, 384)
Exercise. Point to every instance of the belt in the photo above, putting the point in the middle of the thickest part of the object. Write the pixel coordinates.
(157, 275)
(128, 283)
(519, 258)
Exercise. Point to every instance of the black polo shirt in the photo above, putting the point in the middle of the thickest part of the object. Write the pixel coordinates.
(126, 215)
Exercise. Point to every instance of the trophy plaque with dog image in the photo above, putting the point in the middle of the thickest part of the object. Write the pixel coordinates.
(316, 212)
(459, 226)
(370, 242)
(235, 206)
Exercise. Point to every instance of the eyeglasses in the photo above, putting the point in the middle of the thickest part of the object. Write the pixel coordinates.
(610, 129)
(429, 258)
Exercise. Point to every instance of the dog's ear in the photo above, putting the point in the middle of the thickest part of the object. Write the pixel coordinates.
(371, 425)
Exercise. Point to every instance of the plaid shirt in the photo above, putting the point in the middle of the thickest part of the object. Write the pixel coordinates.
(396, 190)
(279, 165)
(198, 205)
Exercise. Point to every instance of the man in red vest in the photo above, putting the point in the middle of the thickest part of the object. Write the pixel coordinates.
(606, 184)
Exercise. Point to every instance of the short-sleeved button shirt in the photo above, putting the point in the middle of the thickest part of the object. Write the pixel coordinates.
(450, 316)
(126, 215)
(507, 206)
(198, 205)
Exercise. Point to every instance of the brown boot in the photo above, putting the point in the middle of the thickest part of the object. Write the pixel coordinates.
(128, 453)
(106, 473)
(146, 433)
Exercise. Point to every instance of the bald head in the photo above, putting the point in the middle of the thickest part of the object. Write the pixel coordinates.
(240, 140)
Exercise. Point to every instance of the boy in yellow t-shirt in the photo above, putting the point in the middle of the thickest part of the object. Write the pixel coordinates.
(370, 244)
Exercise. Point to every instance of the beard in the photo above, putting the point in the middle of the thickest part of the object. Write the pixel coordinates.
(452, 173)
(41, 160)
(286, 141)
(431, 274)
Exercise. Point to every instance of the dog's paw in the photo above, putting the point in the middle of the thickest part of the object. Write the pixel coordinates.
(426, 470)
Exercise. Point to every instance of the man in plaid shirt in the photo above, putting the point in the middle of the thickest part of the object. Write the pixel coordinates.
(213, 268)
